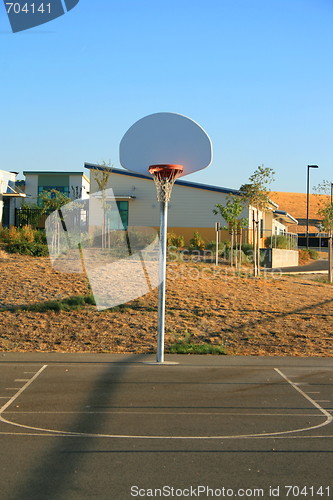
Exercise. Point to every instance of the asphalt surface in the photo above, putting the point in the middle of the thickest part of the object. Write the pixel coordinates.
(93, 426)
(315, 267)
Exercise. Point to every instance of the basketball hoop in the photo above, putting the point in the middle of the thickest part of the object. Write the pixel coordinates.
(164, 178)
(169, 146)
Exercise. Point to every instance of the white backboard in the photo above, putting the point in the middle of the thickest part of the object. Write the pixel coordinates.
(165, 138)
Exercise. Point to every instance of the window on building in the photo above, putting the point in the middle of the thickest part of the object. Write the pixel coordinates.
(113, 217)
(123, 212)
(62, 189)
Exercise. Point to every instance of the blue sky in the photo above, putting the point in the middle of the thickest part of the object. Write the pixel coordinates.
(257, 75)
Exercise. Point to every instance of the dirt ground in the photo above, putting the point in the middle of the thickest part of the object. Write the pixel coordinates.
(273, 315)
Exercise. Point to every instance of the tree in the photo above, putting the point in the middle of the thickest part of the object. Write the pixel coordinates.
(231, 214)
(52, 200)
(325, 212)
(256, 194)
(101, 176)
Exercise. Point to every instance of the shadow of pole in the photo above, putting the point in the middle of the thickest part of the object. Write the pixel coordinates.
(52, 476)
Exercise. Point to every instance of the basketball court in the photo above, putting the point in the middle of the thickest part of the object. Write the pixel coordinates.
(92, 426)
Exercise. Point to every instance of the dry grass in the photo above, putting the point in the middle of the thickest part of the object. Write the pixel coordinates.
(270, 316)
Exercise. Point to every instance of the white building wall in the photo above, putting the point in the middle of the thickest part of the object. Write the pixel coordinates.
(79, 185)
(5, 177)
(189, 206)
(31, 188)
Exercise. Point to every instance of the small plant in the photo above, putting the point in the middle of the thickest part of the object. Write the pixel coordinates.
(27, 234)
(197, 242)
(13, 234)
(174, 240)
(313, 254)
(69, 304)
(184, 345)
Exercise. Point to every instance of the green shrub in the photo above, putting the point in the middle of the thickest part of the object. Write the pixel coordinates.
(247, 248)
(211, 245)
(245, 258)
(279, 241)
(313, 254)
(185, 348)
(40, 236)
(197, 242)
(26, 248)
(184, 345)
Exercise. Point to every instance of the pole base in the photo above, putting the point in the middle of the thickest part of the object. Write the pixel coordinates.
(160, 363)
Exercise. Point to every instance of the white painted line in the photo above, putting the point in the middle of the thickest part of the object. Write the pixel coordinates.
(306, 396)
(136, 413)
(21, 380)
(279, 434)
(323, 400)
(12, 399)
(313, 392)
(12, 388)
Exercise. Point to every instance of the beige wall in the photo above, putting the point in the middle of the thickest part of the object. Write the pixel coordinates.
(188, 208)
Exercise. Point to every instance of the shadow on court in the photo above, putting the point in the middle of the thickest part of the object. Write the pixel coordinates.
(56, 469)
(213, 420)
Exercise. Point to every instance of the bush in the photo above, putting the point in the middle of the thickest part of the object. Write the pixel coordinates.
(40, 236)
(211, 245)
(313, 254)
(247, 248)
(27, 234)
(26, 248)
(279, 241)
(174, 240)
(245, 258)
(197, 242)
(307, 254)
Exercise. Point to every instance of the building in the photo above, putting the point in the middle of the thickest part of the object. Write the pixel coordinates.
(10, 197)
(75, 185)
(190, 208)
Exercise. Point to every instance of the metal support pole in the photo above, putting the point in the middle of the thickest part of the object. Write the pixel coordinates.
(162, 279)
(217, 228)
(307, 207)
(330, 257)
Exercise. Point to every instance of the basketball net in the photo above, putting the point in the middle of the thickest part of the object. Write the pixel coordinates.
(164, 178)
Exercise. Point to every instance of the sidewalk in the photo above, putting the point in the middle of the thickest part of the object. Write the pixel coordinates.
(317, 266)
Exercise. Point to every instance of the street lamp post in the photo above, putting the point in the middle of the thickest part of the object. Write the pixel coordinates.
(307, 204)
(330, 244)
